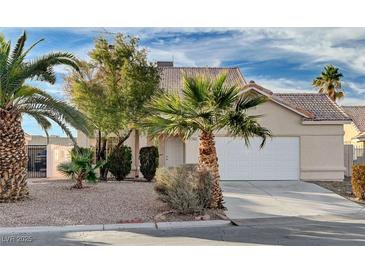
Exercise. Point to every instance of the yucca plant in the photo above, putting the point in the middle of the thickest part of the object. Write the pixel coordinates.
(329, 82)
(18, 97)
(81, 167)
(206, 107)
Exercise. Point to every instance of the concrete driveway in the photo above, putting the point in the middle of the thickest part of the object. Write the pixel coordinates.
(265, 199)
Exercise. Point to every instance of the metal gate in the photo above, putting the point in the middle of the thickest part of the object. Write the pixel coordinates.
(37, 161)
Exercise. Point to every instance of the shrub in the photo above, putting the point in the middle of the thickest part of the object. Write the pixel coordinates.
(120, 162)
(148, 157)
(80, 168)
(358, 181)
(185, 189)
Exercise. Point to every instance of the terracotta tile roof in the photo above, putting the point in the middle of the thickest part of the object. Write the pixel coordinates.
(253, 86)
(357, 114)
(312, 106)
(320, 105)
(172, 77)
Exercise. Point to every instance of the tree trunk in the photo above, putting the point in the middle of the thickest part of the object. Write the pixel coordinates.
(123, 139)
(208, 158)
(101, 155)
(13, 158)
(78, 184)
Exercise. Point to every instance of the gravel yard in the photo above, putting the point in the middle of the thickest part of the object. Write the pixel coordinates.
(54, 203)
(342, 188)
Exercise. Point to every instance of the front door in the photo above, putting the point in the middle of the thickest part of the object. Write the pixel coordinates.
(174, 152)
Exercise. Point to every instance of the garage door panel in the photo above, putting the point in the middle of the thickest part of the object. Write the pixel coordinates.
(278, 160)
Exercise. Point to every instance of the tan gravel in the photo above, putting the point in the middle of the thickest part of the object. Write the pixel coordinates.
(54, 203)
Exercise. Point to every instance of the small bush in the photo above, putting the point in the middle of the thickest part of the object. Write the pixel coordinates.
(120, 162)
(80, 168)
(358, 181)
(185, 189)
(148, 158)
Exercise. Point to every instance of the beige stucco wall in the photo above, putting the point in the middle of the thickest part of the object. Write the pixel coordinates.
(27, 139)
(83, 140)
(57, 154)
(321, 146)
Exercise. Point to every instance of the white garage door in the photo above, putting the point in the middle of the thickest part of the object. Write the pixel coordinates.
(278, 160)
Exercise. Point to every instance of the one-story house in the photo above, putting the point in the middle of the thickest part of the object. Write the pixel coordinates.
(39, 140)
(307, 128)
(355, 131)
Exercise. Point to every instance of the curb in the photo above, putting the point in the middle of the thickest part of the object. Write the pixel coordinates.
(109, 227)
(42, 229)
(192, 224)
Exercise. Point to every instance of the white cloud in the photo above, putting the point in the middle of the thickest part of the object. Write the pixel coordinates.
(283, 84)
(348, 101)
(360, 89)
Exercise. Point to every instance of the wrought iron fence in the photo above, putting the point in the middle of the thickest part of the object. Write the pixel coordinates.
(37, 161)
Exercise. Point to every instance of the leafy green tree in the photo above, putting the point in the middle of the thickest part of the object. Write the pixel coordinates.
(207, 106)
(18, 97)
(329, 82)
(113, 88)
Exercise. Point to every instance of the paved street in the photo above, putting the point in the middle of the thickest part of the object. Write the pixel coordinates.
(320, 230)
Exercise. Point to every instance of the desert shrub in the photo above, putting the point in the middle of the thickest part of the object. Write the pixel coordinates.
(185, 189)
(148, 157)
(120, 162)
(358, 181)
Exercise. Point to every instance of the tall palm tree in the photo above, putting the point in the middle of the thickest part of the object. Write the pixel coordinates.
(329, 82)
(206, 107)
(17, 97)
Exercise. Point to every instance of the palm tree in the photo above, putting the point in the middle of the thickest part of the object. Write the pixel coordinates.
(206, 107)
(18, 97)
(80, 168)
(329, 82)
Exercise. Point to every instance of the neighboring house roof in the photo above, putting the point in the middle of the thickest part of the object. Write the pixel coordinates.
(311, 106)
(172, 77)
(53, 140)
(357, 114)
(320, 105)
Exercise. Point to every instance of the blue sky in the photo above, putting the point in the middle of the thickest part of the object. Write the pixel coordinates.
(281, 59)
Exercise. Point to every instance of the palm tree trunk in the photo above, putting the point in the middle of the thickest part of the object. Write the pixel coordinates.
(78, 184)
(208, 158)
(13, 158)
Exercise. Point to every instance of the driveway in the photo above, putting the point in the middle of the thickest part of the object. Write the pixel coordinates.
(266, 199)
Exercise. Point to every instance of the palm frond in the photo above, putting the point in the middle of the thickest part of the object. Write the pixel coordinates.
(41, 120)
(36, 102)
(196, 90)
(239, 124)
(41, 68)
(17, 51)
(68, 169)
(247, 101)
